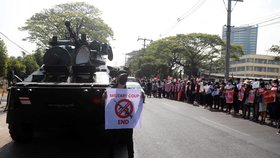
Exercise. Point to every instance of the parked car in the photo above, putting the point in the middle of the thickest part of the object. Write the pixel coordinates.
(131, 79)
(136, 85)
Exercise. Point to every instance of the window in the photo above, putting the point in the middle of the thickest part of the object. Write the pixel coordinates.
(233, 69)
(273, 62)
(259, 76)
(238, 61)
(242, 61)
(260, 69)
(269, 69)
(241, 68)
(261, 61)
(272, 76)
(250, 60)
(249, 68)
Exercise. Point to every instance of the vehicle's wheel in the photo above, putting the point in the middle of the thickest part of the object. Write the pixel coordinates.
(21, 132)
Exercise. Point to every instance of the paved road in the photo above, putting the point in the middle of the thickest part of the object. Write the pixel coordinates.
(3, 101)
(170, 129)
(174, 129)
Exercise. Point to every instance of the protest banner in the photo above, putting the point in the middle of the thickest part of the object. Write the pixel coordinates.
(269, 96)
(123, 108)
(256, 84)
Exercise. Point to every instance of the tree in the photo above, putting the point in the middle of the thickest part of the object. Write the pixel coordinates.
(30, 64)
(3, 59)
(194, 53)
(275, 49)
(16, 65)
(146, 65)
(167, 51)
(24, 66)
(199, 51)
(38, 56)
(236, 51)
(84, 18)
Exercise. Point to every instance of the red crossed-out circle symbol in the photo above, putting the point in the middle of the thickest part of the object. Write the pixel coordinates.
(124, 108)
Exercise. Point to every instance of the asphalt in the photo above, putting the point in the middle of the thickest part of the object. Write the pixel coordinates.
(170, 129)
(3, 101)
(177, 129)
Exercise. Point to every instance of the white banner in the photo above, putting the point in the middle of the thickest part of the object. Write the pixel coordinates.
(239, 85)
(256, 84)
(123, 108)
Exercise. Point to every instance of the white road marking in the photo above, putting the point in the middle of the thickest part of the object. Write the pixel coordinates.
(224, 126)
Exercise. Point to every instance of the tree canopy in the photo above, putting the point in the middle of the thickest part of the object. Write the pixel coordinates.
(84, 18)
(193, 53)
(23, 66)
(3, 59)
(275, 49)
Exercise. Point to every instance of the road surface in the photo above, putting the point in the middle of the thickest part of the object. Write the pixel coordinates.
(170, 129)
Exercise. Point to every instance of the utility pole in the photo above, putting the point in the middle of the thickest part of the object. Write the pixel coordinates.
(144, 47)
(228, 39)
(144, 40)
(228, 36)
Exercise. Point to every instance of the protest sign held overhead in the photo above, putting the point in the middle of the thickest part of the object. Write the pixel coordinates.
(123, 108)
(255, 84)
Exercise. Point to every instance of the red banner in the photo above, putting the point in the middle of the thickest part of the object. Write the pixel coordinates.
(269, 96)
(252, 94)
(229, 96)
(241, 94)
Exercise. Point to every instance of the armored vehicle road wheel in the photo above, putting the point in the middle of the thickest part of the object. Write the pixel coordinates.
(21, 132)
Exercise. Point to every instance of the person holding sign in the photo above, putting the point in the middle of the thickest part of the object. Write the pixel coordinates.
(121, 135)
(273, 107)
(262, 105)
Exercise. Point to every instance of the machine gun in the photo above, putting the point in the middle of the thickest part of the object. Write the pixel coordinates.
(75, 58)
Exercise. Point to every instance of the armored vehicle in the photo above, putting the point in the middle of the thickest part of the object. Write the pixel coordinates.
(66, 91)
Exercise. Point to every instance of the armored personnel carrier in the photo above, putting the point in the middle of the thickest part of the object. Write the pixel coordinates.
(66, 91)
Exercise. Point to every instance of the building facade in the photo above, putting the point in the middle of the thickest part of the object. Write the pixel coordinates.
(246, 36)
(255, 65)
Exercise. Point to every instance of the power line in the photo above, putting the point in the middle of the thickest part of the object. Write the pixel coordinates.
(234, 5)
(269, 20)
(225, 4)
(14, 43)
(192, 10)
(256, 20)
(186, 14)
(259, 24)
(270, 24)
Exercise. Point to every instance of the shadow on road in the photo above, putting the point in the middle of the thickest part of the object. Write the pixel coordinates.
(58, 145)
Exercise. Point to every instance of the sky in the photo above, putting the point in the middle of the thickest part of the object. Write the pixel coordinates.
(151, 19)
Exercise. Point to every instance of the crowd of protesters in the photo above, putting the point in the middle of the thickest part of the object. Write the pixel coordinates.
(257, 100)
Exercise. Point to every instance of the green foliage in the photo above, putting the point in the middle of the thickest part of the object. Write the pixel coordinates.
(30, 64)
(22, 66)
(275, 49)
(3, 59)
(147, 66)
(236, 51)
(84, 18)
(16, 65)
(194, 53)
(39, 55)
